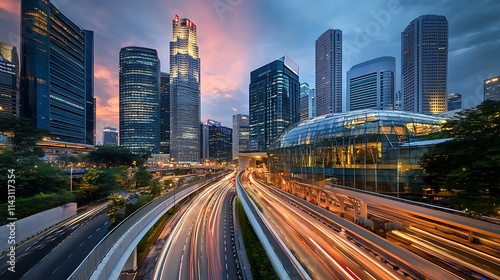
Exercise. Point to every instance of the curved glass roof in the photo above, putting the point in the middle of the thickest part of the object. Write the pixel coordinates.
(356, 123)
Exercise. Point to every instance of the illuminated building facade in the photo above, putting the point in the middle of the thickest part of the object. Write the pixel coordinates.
(241, 134)
(164, 113)
(57, 70)
(370, 85)
(374, 150)
(185, 98)
(454, 101)
(329, 72)
(9, 80)
(109, 136)
(492, 89)
(139, 85)
(424, 64)
(219, 142)
(274, 101)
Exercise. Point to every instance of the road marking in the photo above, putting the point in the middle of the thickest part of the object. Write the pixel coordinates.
(97, 229)
(106, 223)
(70, 255)
(89, 236)
(55, 270)
(184, 249)
(81, 244)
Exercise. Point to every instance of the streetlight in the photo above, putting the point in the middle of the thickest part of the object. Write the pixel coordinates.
(397, 177)
(71, 178)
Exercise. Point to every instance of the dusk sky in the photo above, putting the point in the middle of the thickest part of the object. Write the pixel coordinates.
(238, 36)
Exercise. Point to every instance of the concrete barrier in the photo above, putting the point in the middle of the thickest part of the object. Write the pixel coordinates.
(31, 225)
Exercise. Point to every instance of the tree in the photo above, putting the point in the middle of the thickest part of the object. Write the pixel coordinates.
(169, 183)
(142, 177)
(98, 183)
(22, 134)
(112, 156)
(469, 163)
(116, 203)
(155, 188)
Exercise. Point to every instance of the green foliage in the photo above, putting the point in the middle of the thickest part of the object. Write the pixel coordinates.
(469, 163)
(32, 175)
(112, 156)
(98, 183)
(181, 182)
(169, 184)
(37, 203)
(141, 201)
(155, 188)
(116, 203)
(142, 177)
(23, 135)
(259, 262)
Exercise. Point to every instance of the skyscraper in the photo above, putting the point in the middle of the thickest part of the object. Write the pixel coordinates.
(241, 135)
(424, 64)
(185, 98)
(9, 80)
(139, 99)
(454, 101)
(219, 142)
(109, 136)
(304, 101)
(370, 85)
(329, 72)
(273, 100)
(57, 70)
(164, 113)
(492, 89)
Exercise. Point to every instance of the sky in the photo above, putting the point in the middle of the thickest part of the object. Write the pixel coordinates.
(236, 37)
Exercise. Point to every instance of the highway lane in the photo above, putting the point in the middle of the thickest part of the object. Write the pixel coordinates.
(320, 247)
(57, 251)
(198, 246)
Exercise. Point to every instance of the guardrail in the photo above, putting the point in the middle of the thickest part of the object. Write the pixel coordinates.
(115, 248)
(284, 263)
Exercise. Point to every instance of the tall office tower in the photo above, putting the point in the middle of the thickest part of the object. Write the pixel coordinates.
(397, 100)
(241, 134)
(220, 142)
(424, 64)
(329, 72)
(9, 80)
(492, 89)
(370, 85)
(274, 101)
(164, 113)
(204, 133)
(139, 99)
(57, 70)
(454, 101)
(312, 103)
(185, 98)
(109, 136)
(304, 101)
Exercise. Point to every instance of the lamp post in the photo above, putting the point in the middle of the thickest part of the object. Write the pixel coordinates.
(71, 178)
(397, 178)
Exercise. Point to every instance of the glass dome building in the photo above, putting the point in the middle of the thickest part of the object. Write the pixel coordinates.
(374, 150)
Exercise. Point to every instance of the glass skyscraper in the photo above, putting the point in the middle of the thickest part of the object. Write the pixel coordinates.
(370, 85)
(329, 72)
(185, 97)
(109, 136)
(454, 101)
(241, 135)
(424, 64)
(57, 70)
(9, 76)
(219, 142)
(139, 99)
(164, 113)
(492, 89)
(274, 101)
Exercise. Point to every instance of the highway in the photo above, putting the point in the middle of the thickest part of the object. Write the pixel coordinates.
(56, 252)
(201, 245)
(327, 253)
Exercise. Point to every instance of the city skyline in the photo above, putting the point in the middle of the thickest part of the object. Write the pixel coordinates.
(374, 32)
